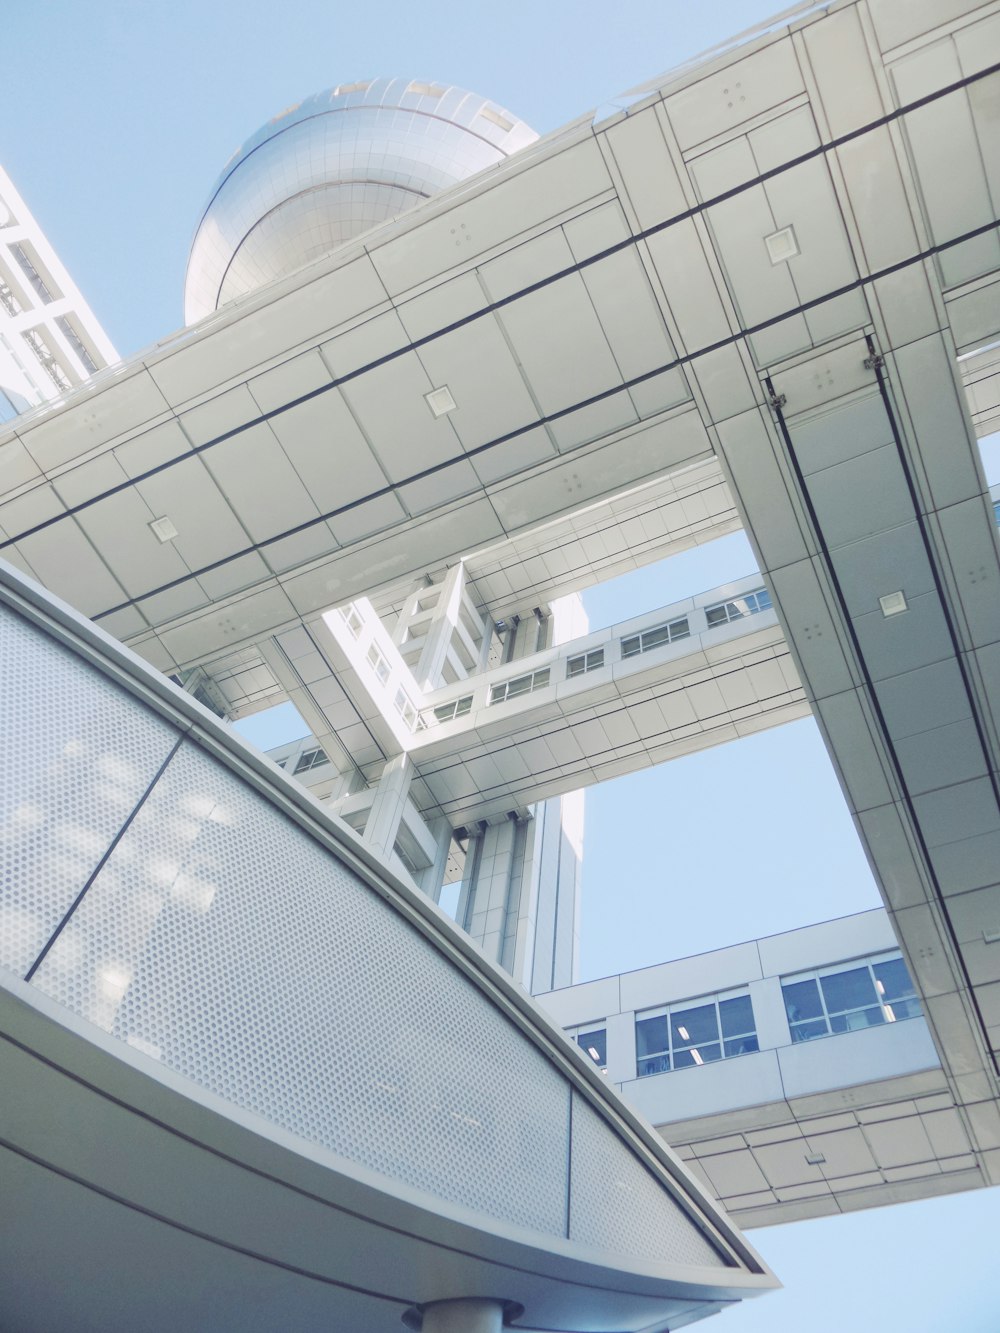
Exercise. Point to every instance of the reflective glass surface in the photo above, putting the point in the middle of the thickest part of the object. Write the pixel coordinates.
(332, 167)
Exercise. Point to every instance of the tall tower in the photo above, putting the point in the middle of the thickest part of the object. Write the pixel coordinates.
(50, 340)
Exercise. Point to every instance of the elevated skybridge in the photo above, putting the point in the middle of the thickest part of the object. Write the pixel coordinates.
(767, 268)
(678, 679)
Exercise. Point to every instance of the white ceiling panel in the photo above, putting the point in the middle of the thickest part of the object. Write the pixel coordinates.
(905, 303)
(724, 100)
(440, 488)
(328, 451)
(761, 289)
(522, 199)
(254, 474)
(928, 381)
(839, 44)
(887, 562)
(689, 286)
(651, 451)
(222, 628)
(969, 864)
(952, 814)
(946, 157)
(122, 405)
(152, 448)
(221, 413)
(969, 538)
(444, 304)
(119, 529)
(896, 23)
(825, 440)
(940, 758)
(17, 467)
(596, 230)
(861, 496)
(514, 456)
(725, 386)
(894, 644)
(851, 728)
(299, 375)
(476, 364)
(368, 342)
(650, 178)
(89, 479)
(882, 216)
(125, 624)
(64, 560)
(758, 478)
(560, 369)
(389, 404)
(593, 422)
(529, 262)
(207, 528)
(234, 576)
(297, 548)
(243, 339)
(173, 602)
(919, 700)
(632, 323)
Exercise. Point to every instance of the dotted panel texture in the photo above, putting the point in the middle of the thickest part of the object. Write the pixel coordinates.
(77, 756)
(221, 939)
(617, 1205)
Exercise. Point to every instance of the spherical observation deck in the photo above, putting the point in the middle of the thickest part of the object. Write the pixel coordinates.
(335, 165)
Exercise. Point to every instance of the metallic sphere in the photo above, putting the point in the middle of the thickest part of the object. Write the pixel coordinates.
(330, 168)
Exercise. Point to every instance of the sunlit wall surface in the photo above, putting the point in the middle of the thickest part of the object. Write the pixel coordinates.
(152, 890)
(334, 166)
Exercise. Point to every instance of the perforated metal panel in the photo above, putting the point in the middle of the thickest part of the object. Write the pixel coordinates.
(617, 1205)
(77, 756)
(222, 939)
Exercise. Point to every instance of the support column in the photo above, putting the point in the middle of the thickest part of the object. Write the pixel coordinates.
(382, 824)
(464, 1316)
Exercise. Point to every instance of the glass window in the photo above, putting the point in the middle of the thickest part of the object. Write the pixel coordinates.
(584, 662)
(378, 663)
(310, 759)
(447, 712)
(593, 1040)
(849, 997)
(682, 1036)
(722, 613)
(511, 689)
(655, 637)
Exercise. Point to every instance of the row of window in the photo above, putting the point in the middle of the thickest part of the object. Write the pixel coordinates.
(631, 646)
(828, 1001)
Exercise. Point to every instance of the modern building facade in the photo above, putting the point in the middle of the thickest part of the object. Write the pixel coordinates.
(50, 341)
(763, 296)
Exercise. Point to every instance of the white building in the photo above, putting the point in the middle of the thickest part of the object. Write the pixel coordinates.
(50, 341)
(764, 296)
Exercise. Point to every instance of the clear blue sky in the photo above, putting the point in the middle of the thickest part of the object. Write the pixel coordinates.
(115, 118)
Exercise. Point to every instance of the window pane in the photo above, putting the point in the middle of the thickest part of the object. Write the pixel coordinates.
(806, 1031)
(802, 1000)
(659, 1064)
(860, 1018)
(690, 1027)
(595, 1043)
(650, 1035)
(716, 615)
(905, 1009)
(848, 990)
(697, 1055)
(895, 980)
(654, 637)
(736, 1015)
(741, 1046)
(631, 646)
